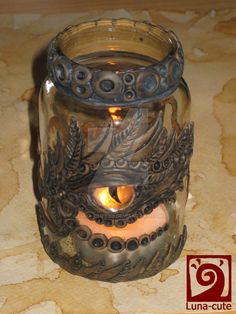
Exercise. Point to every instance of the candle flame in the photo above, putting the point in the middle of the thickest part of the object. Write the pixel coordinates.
(114, 112)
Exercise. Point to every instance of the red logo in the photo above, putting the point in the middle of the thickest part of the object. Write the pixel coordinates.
(209, 278)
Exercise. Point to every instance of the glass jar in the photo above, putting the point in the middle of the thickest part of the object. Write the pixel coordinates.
(115, 146)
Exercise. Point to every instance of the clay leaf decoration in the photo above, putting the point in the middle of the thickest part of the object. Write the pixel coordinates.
(169, 161)
(73, 148)
(153, 158)
(66, 170)
(137, 140)
(123, 142)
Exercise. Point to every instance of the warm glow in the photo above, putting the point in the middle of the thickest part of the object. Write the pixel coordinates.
(114, 198)
(145, 225)
(115, 113)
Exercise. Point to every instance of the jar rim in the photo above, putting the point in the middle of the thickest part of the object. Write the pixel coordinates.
(154, 81)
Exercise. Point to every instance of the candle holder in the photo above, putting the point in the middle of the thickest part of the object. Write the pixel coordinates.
(115, 146)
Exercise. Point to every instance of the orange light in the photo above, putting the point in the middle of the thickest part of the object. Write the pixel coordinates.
(149, 223)
(115, 113)
(114, 198)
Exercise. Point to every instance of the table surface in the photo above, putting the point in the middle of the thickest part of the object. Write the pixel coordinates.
(29, 281)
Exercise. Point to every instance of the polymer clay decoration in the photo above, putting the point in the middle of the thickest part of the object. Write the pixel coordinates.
(115, 152)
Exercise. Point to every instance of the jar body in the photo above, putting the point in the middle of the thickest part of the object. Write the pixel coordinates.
(114, 183)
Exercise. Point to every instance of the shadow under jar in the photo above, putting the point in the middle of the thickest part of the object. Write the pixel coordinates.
(115, 146)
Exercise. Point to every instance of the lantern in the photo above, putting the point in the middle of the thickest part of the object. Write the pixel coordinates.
(115, 147)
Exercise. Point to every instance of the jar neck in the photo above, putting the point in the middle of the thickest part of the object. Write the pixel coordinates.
(111, 62)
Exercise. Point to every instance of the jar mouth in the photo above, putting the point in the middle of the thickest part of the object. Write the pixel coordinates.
(112, 61)
(153, 42)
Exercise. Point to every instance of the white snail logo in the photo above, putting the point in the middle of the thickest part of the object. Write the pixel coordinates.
(209, 278)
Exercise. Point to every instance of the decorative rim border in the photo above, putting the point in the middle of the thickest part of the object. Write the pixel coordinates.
(108, 88)
(117, 244)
